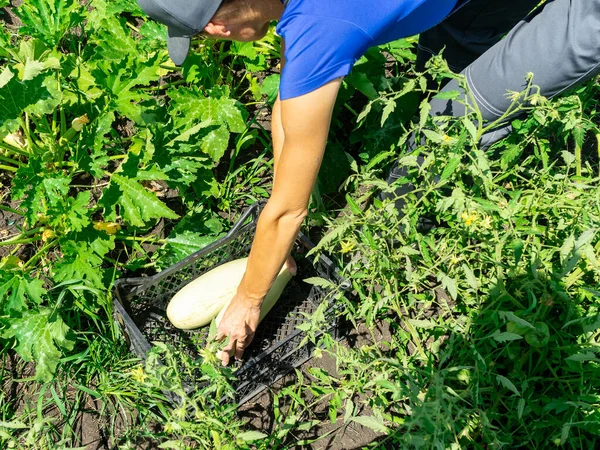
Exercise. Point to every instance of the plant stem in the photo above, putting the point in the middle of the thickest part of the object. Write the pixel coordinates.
(14, 211)
(18, 242)
(18, 237)
(11, 161)
(598, 148)
(9, 168)
(12, 149)
(40, 252)
(141, 239)
(578, 159)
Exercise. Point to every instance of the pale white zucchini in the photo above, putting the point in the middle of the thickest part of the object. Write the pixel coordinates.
(199, 302)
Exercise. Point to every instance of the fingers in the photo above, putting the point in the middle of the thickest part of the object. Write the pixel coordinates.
(241, 346)
(220, 336)
(227, 351)
(235, 347)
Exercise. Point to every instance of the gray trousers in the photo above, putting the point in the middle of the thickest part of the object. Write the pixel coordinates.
(559, 42)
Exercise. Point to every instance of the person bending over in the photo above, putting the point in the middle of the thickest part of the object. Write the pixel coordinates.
(558, 41)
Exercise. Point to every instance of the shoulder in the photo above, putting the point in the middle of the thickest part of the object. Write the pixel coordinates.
(321, 44)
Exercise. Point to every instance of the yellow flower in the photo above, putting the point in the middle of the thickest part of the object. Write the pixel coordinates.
(454, 260)
(513, 95)
(446, 140)
(347, 246)
(48, 234)
(171, 427)
(138, 374)
(79, 122)
(486, 222)
(108, 227)
(468, 218)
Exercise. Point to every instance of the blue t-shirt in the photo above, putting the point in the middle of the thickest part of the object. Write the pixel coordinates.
(325, 38)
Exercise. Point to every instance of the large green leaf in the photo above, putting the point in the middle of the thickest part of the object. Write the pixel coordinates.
(41, 191)
(49, 20)
(80, 262)
(121, 83)
(137, 205)
(182, 244)
(40, 337)
(16, 96)
(113, 40)
(16, 290)
(83, 253)
(189, 107)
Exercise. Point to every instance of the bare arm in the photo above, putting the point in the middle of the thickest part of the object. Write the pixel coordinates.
(305, 122)
(276, 126)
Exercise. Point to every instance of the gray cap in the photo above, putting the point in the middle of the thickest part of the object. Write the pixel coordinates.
(183, 18)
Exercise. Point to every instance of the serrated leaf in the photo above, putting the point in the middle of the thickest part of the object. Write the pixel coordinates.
(18, 292)
(584, 356)
(113, 40)
(32, 69)
(447, 95)
(510, 316)
(320, 282)
(184, 243)
(17, 96)
(215, 143)
(363, 84)
(433, 136)
(470, 277)
(371, 422)
(40, 190)
(390, 106)
(450, 168)
(507, 384)
(49, 20)
(520, 408)
(40, 337)
(77, 211)
(79, 262)
(189, 107)
(139, 205)
(424, 111)
(449, 284)
(471, 128)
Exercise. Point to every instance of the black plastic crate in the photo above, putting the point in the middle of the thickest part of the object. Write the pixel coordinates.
(140, 305)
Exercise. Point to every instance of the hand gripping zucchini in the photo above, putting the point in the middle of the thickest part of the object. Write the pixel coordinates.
(199, 302)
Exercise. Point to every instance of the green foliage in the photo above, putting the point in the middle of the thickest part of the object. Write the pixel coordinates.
(216, 114)
(50, 20)
(93, 116)
(485, 311)
(41, 337)
(17, 96)
(118, 163)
